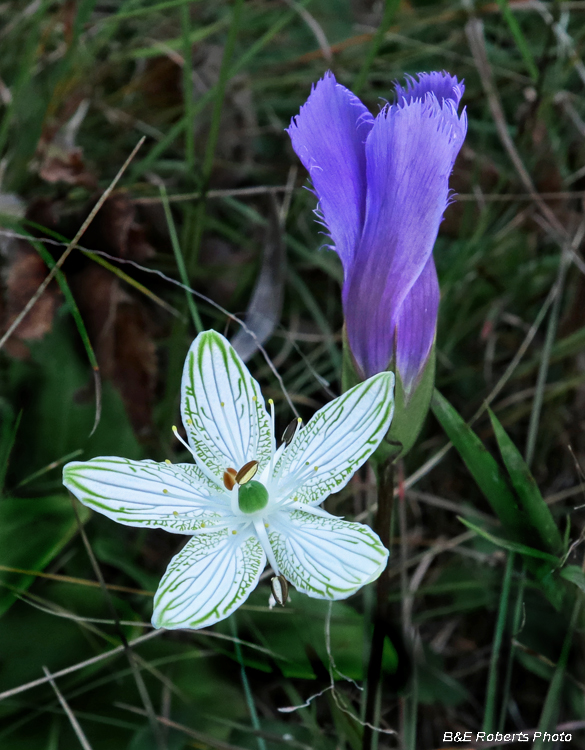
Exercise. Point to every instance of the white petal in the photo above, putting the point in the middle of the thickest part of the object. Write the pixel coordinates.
(212, 575)
(222, 407)
(146, 493)
(324, 455)
(324, 556)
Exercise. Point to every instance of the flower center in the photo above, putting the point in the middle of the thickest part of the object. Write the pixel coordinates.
(252, 497)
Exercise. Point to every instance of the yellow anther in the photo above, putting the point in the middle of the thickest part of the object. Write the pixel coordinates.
(270, 401)
(254, 398)
(189, 421)
(316, 468)
(266, 525)
(165, 492)
(234, 532)
(222, 403)
(167, 462)
(203, 524)
(176, 514)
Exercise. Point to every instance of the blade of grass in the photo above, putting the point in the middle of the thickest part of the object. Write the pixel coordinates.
(148, 161)
(188, 88)
(319, 317)
(481, 464)
(552, 702)
(390, 9)
(160, 48)
(523, 549)
(122, 16)
(138, 678)
(80, 325)
(246, 685)
(519, 38)
(516, 627)
(551, 332)
(195, 317)
(536, 510)
(492, 684)
(225, 74)
(49, 467)
(6, 447)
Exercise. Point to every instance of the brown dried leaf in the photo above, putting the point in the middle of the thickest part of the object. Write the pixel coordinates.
(23, 273)
(62, 165)
(120, 332)
(117, 231)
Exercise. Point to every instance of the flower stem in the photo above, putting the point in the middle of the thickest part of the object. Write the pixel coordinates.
(382, 527)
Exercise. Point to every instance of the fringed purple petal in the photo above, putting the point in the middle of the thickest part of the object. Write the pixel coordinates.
(416, 324)
(410, 154)
(442, 85)
(328, 136)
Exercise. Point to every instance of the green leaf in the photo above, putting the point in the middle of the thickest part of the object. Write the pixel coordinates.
(482, 466)
(42, 527)
(536, 511)
(574, 574)
(410, 414)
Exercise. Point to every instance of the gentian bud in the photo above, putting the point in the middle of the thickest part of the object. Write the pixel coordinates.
(382, 185)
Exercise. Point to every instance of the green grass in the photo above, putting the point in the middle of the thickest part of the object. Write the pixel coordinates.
(179, 247)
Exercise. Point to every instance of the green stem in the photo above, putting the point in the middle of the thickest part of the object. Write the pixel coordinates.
(383, 526)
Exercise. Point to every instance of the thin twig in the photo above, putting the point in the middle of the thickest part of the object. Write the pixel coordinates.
(70, 715)
(76, 667)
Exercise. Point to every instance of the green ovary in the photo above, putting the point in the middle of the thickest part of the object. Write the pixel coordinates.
(252, 497)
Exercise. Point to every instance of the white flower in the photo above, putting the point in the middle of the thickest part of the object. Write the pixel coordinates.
(235, 527)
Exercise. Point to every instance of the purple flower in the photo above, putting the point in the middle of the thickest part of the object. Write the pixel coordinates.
(382, 185)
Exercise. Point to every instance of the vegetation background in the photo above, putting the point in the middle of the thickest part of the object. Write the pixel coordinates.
(214, 199)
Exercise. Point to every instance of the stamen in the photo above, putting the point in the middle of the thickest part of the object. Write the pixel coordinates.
(279, 586)
(283, 463)
(272, 436)
(199, 463)
(263, 539)
(229, 478)
(289, 433)
(247, 472)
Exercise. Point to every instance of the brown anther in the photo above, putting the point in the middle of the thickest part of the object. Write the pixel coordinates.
(289, 433)
(229, 478)
(247, 472)
(279, 586)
